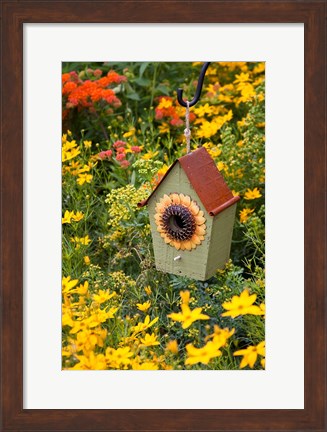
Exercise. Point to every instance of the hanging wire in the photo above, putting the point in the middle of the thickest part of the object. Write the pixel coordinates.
(198, 89)
(187, 131)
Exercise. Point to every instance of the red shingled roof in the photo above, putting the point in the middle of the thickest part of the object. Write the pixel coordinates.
(206, 180)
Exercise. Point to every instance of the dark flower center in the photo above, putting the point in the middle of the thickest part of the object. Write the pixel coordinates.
(178, 222)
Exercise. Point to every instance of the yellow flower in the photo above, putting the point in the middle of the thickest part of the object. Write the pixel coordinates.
(103, 296)
(82, 178)
(252, 194)
(92, 362)
(79, 325)
(67, 217)
(83, 169)
(210, 128)
(118, 357)
(185, 296)
(130, 133)
(82, 240)
(66, 319)
(188, 316)
(164, 128)
(247, 92)
(68, 155)
(201, 111)
(180, 221)
(164, 103)
(150, 340)
(86, 340)
(101, 316)
(68, 284)
(259, 68)
(149, 155)
(172, 346)
(214, 152)
(144, 366)
(144, 325)
(242, 305)
(220, 336)
(221, 166)
(87, 144)
(143, 306)
(148, 290)
(87, 260)
(243, 77)
(202, 355)
(85, 240)
(82, 289)
(74, 167)
(207, 129)
(77, 216)
(250, 354)
(244, 214)
(68, 145)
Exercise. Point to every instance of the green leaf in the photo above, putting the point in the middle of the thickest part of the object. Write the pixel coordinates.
(143, 67)
(143, 82)
(133, 178)
(134, 96)
(163, 89)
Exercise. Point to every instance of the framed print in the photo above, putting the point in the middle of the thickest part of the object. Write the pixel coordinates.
(45, 42)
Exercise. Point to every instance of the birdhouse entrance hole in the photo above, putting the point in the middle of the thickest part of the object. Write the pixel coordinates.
(176, 223)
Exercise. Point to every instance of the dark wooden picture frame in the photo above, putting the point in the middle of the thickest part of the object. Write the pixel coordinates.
(14, 15)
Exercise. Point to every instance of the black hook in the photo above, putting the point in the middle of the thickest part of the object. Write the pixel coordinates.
(198, 89)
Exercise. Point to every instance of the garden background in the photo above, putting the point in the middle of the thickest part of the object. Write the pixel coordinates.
(122, 129)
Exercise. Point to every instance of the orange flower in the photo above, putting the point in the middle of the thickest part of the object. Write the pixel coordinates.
(174, 114)
(86, 93)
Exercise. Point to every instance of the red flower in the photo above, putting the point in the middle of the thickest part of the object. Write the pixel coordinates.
(124, 163)
(176, 122)
(136, 149)
(119, 144)
(97, 73)
(105, 154)
(120, 156)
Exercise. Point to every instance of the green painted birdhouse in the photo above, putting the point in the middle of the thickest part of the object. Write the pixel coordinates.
(192, 214)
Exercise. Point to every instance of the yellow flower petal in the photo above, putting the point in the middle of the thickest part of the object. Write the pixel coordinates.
(187, 245)
(175, 198)
(160, 207)
(200, 229)
(186, 200)
(157, 217)
(165, 200)
(194, 209)
(199, 220)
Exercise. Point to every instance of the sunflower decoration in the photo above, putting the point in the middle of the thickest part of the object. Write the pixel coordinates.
(180, 221)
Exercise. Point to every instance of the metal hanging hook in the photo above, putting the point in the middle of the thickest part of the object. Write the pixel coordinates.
(198, 88)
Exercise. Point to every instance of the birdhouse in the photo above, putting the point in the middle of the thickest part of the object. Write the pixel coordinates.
(192, 214)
